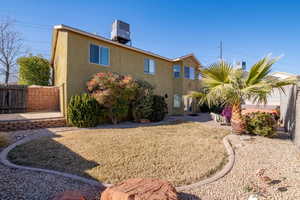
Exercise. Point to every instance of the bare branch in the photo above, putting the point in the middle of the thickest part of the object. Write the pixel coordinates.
(11, 45)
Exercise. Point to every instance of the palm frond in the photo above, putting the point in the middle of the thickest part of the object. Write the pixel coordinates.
(260, 70)
(216, 74)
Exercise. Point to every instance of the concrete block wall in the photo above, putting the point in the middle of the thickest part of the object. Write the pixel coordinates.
(296, 132)
(41, 98)
(32, 124)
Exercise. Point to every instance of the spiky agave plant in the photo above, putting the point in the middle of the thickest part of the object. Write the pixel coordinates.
(225, 84)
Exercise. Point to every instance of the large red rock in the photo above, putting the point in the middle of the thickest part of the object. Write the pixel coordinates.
(140, 189)
(70, 195)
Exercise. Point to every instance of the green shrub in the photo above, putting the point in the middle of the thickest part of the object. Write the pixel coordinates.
(142, 108)
(118, 111)
(216, 108)
(83, 111)
(34, 70)
(3, 141)
(159, 108)
(260, 123)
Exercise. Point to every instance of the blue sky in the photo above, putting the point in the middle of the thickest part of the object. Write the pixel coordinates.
(248, 29)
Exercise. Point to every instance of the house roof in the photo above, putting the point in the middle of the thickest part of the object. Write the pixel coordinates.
(191, 55)
(283, 73)
(97, 37)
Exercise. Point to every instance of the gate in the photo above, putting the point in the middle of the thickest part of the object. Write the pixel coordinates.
(13, 98)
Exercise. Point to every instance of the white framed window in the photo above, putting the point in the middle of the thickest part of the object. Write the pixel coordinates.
(177, 101)
(149, 66)
(189, 73)
(99, 55)
(186, 72)
(192, 73)
(199, 76)
(176, 71)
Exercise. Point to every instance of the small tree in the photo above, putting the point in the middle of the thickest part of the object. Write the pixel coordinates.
(11, 45)
(114, 92)
(34, 70)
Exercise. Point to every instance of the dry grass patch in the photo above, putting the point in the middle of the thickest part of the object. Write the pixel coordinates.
(3, 140)
(180, 153)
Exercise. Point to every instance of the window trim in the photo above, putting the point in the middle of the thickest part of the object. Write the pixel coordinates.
(189, 72)
(186, 67)
(149, 73)
(194, 74)
(177, 65)
(89, 55)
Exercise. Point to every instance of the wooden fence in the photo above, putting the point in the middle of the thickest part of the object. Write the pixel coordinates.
(13, 98)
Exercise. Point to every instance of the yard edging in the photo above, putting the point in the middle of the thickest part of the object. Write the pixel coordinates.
(218, 175)
(4, 160)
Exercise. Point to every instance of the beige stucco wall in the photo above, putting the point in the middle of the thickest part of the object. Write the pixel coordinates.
(78, 70)
(60, 67)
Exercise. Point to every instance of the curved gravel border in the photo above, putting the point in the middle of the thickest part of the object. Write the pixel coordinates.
(220, 174)
(6, 162)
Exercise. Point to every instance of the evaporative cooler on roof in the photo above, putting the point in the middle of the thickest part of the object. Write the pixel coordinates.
(120, 32)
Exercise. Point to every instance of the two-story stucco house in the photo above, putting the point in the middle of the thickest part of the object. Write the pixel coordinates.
(77, 55)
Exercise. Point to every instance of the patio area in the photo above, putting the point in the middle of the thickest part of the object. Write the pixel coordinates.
(30, 116)
(31, 120)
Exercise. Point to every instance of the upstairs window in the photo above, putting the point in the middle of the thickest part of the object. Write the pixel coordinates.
(94, 54)
(199, 76)
(149, 66)
(99, 55)
(192, 73)
(186, 72)
(176, 71)
(189, 72)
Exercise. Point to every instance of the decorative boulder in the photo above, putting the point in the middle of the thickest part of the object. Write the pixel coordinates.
(140, 189)
(70, 195)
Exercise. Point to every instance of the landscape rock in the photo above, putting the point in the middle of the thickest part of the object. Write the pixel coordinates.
(70, 195)
(140, 189)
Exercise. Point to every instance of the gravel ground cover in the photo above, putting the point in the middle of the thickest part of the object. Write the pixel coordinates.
(16, 184)
(277, 157)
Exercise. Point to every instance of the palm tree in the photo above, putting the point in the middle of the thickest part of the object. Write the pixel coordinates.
(230, 86)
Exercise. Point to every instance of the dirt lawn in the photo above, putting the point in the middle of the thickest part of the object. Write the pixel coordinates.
(181, 153)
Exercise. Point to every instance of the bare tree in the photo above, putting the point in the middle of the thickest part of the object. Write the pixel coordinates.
(11, 45)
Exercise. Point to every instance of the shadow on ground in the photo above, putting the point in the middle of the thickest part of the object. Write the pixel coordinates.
(170, 120)
(48, 154)
(186, 196)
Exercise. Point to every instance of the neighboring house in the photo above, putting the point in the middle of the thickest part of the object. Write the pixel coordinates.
(277, 97)
(77, 55)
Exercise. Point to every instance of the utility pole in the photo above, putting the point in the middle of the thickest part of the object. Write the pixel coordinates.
(221, 50)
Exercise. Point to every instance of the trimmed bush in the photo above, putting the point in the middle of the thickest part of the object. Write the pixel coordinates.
(3, 141)
(159, 108)
(142, 108)
(83, 111)
(260, 123)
